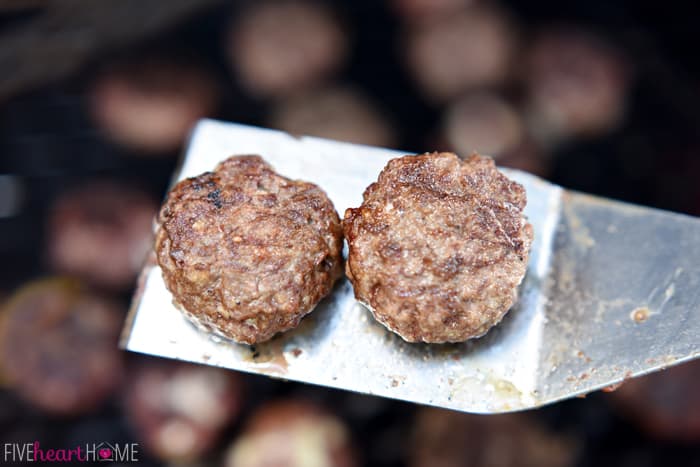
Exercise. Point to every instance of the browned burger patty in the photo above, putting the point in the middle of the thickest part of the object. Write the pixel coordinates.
(101, 232)
(179, 410)
(665, 404)
(279, 47)
(246, 252)
(445, 438)
(292, 433)
(58, 346)
(438, 246)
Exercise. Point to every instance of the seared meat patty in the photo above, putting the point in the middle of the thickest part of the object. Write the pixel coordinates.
(446, 438)
(101, 232)
(292, 433)
(58, 346)
(438, 246)
(180, 410)
(246, 252)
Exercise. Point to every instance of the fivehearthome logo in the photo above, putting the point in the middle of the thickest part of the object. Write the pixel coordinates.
(89, 452)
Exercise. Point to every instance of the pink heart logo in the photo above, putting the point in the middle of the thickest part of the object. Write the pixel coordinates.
(105, 453)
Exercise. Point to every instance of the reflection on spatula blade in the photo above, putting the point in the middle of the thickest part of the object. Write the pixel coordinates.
(612, 292)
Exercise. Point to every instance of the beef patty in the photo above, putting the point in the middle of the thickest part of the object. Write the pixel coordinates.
(439, 246)
(246, 252)
(58, 346)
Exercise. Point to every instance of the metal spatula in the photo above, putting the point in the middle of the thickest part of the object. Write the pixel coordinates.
(612, 291)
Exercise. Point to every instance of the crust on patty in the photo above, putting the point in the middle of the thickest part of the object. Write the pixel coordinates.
(439, 246)
(246, 252)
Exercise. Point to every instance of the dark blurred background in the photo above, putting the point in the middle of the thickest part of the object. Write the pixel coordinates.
(96, 102)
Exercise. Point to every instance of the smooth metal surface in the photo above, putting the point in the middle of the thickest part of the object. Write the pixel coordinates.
(612, 291)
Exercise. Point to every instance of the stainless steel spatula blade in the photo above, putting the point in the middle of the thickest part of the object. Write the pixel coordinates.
(612, 291)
